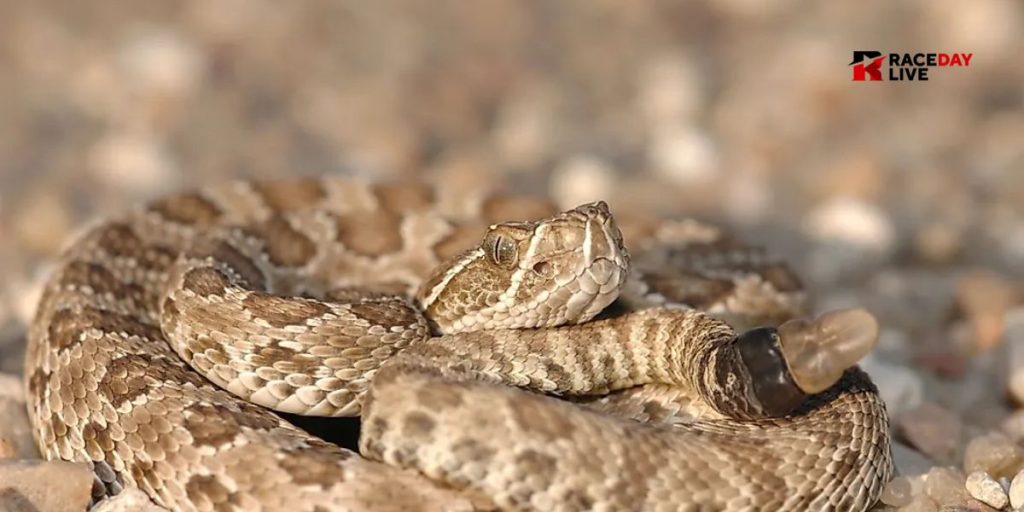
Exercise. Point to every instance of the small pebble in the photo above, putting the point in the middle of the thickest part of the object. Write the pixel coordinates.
(852, 221)
(130, 500)
(897, 492)
(986, 489)
(994, 454)
(945, 486)
(29, 486)
(1014, 335)
(161, 62)
(984, 298)
(1013, 426)
(136, 163)
(931, 429)
(1017, 491)
(684, 155)
(939, 242)
(582, 179)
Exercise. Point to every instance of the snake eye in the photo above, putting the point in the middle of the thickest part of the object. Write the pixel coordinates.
(502, 250)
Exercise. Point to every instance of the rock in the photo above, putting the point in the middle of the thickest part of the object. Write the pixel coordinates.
(1013, 426)
(994, 454)
(986, 489)
(582, 179)
(984, 298)
(16, 441)
(908, 461)
(971, 505)
(931, 429)
(130, 500)
(29, 486)
(161, 63)
(1014, 332)
(1017, 491)
(939, 242)
(945, 486)
(136, 163)
(684, 155)
(851, 221)
(897, 492)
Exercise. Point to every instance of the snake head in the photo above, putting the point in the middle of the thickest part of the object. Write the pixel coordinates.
(555, 271)
(803, 357)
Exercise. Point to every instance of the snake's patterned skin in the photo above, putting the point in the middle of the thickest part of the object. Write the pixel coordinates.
(165, 333)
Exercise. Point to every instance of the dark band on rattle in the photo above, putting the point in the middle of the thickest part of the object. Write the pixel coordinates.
(771, 382)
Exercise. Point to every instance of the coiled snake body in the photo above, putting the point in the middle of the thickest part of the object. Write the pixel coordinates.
(164, 334)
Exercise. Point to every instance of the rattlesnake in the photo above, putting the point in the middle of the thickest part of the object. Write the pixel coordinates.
(300, 296)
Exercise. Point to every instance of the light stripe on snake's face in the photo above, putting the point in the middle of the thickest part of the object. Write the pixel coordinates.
(559, 270)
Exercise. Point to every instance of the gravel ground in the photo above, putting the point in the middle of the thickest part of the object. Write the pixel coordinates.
(902, 197)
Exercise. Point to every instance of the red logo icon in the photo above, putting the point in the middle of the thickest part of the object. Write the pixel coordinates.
(867, 66)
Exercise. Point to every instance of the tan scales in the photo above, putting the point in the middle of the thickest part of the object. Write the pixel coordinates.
(163, 331)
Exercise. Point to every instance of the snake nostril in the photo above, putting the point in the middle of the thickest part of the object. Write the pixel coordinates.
(542, 268)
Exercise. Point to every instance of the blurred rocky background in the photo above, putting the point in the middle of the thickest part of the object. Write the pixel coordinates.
(905, 197)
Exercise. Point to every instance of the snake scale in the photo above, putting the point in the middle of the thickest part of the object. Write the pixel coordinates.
(462, 328)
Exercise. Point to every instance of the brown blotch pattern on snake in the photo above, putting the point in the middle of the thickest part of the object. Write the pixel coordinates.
(190, 209)
(286, 246)
(417, 425)
(316, 468)
(280, 312)
(239, 263)
(67, 326)
(404, 197)
(437, 398)
(206, 281)
(291, 195)
(87, 274)
(371, 233)
(208, 488)
(117, 240)
(387, 314)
